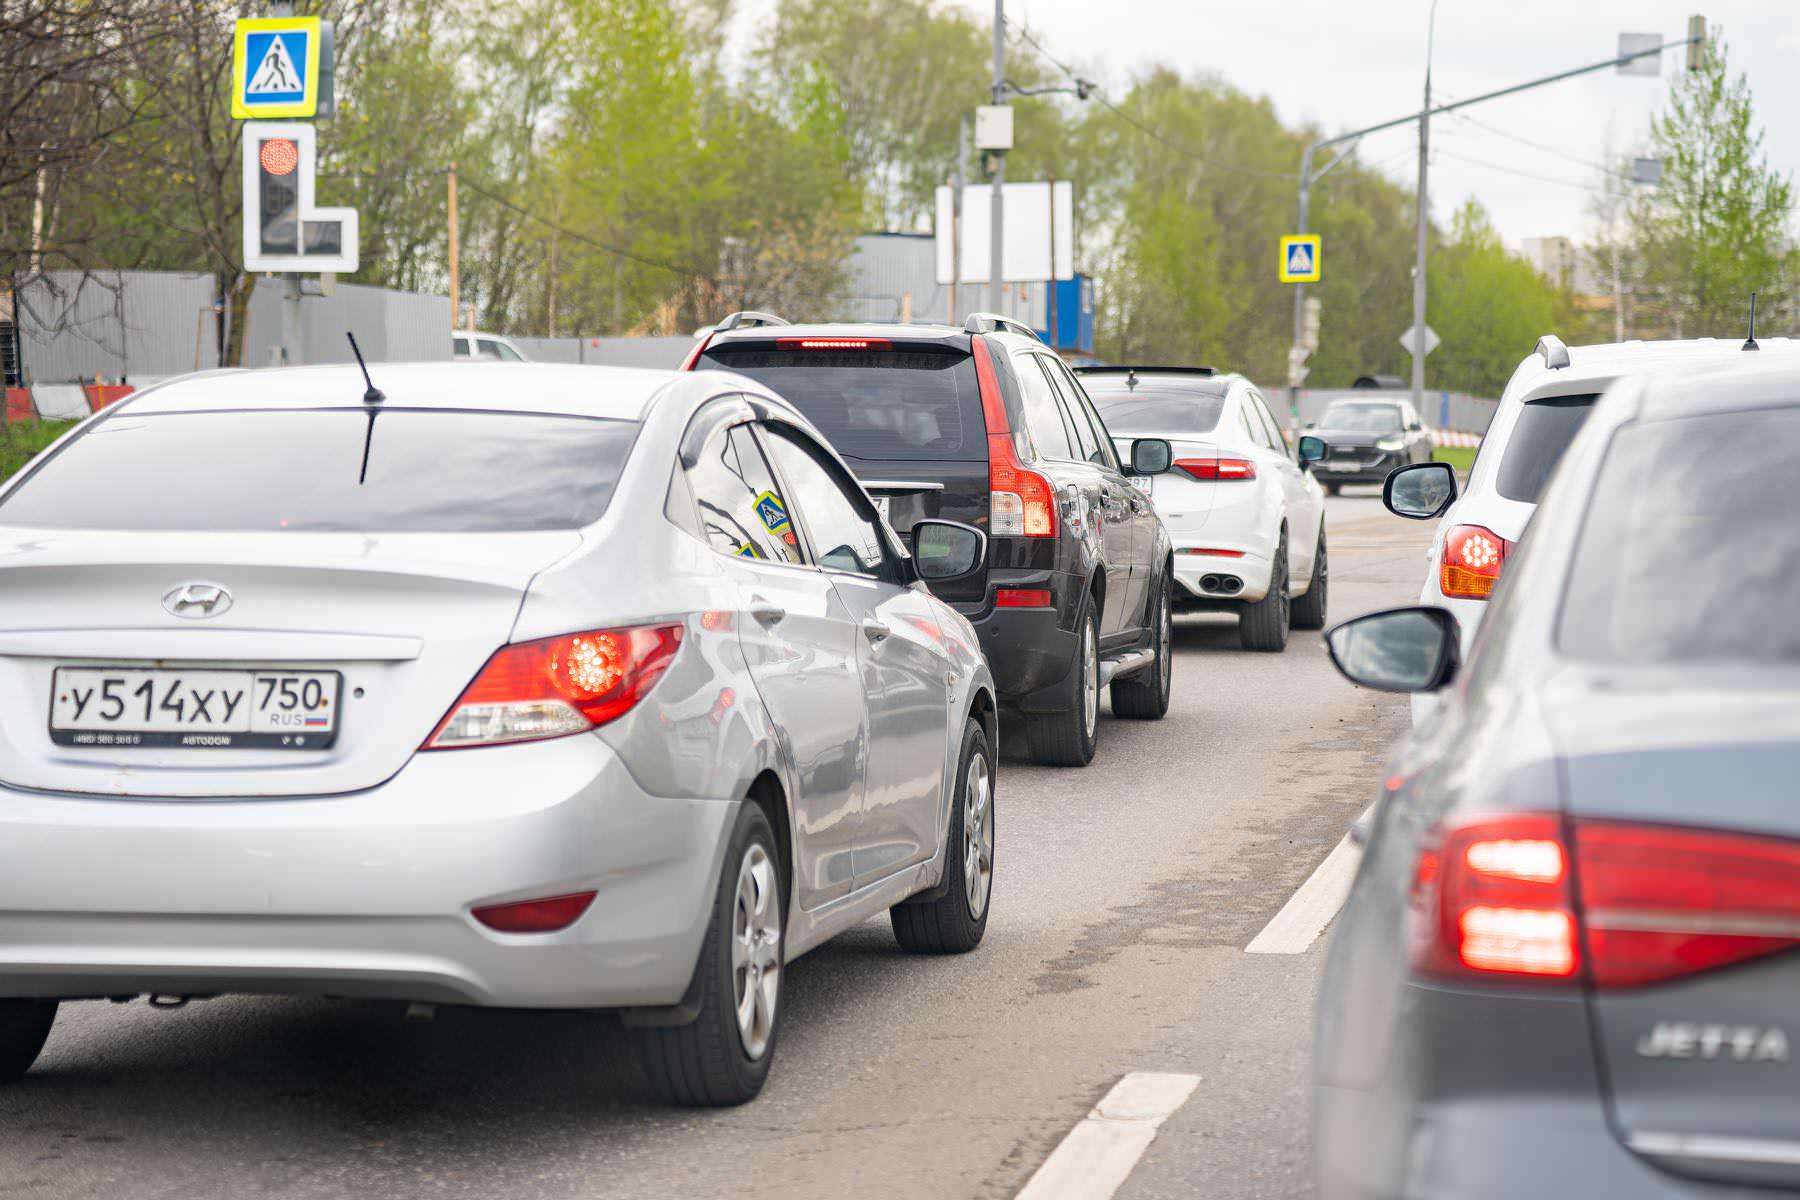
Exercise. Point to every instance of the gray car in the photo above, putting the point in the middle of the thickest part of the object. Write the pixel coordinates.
(1566, 967)
(1365, 439)
(560, 687)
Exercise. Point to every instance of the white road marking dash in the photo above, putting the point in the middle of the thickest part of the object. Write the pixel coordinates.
(1100, 1152)
(1308, 911)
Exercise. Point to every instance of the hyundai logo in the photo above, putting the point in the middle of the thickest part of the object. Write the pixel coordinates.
(197, 601)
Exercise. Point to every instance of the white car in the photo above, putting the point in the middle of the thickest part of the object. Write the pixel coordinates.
(1247, 521)
(1543, 407)
(485, 347)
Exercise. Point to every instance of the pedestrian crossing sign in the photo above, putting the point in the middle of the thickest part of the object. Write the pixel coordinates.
(275, 67)
(1300, 258)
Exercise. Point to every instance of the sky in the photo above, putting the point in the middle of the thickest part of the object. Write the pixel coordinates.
(1532, 160)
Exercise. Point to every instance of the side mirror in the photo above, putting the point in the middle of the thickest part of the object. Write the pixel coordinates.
(944, 550)
(1414, 427)
(1400, 650)
(1151, 456)
(1421, 491)
(1312, 449)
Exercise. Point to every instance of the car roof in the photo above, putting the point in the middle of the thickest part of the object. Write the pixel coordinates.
(854, 329)
(622, 393)
(1166, 383)
(1751, 381)
(1592, 368)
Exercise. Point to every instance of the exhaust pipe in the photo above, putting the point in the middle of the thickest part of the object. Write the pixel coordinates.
(1209, 583)
(1225, 585)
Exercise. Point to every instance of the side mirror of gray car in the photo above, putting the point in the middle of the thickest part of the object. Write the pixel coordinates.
(1421, 491)
(944, 550)
(1151, 456)
(1311, 449)
(1400, 650)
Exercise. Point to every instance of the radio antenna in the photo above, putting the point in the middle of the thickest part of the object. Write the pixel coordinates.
(374, 394)
(1750, 342)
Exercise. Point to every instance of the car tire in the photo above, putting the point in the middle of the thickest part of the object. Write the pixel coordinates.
(955, 920)
(1332, 489)
(1308, 612)
(1264, 624)
(1145, 696)
(721, 1059)
(24, 1027)
(1068, 739)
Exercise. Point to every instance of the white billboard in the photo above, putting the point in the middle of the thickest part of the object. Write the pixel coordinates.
(1029, 225)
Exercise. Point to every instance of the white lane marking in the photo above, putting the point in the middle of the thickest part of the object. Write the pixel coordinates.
(1099, 1153)
(1308, 911)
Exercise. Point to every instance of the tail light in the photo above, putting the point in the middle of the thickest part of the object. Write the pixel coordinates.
(1504, 896)
(557, 686)
(687, 364)
(1471, 562)
(1216, 468)
(833, 343)
(1021, 502)
(535, 916)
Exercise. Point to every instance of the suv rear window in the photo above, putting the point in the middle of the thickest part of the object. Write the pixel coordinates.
(1544, 430)
(1689, 551)
(1154, 408)
(874, 404)
(427, 471)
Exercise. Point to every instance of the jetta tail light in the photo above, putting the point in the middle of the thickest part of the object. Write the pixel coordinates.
(1471, 562)
(557, 686)
(1021, 502)
(1219, 469)
(1618, 903)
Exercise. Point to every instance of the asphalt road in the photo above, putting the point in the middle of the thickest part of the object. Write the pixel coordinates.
(1124, 896)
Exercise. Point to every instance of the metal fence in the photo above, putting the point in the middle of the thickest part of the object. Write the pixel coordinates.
(131, 325)
(661, 352)
(1442, 410)
(390, 326)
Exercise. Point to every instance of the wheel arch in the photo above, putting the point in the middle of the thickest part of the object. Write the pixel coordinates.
(768, 794)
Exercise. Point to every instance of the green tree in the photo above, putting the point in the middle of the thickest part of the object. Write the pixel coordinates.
(1486, 305)
(1716, 228)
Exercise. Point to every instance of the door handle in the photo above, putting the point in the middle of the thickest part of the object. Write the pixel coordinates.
(767, 614)
(875, 631)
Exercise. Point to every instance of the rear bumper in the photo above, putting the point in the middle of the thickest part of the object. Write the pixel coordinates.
(367, 894)
(1365, 472)
(1252, 569)
(1031, 651)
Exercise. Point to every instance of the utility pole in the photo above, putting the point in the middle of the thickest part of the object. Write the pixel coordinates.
(997, 208)
(1424, 221)
(957, 182)
(455, 278)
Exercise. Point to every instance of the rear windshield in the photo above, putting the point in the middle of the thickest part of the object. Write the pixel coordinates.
(393, 470)
(1544, 431)
(874, 404)
(1690, 551)
(1362, 417)
(1157, 413)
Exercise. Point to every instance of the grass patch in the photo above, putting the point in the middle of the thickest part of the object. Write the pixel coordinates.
(1460, 457)
(19, 440)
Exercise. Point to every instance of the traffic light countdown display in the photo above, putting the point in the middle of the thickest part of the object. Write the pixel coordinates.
(283, 229)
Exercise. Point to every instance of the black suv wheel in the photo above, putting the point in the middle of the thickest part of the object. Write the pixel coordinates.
(1067, 739)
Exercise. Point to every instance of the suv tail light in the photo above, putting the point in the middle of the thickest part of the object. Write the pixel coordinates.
(1021, 502)
(1648, 903)
(833, 343)
(1217, 468)
(693, 356)
(557, 686)
(1471, 562)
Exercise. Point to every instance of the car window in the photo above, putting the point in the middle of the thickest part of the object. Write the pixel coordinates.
(1159, 413)
(1689, 551)
(1543, 431)
(742, 509)
(391, 470)
(1362, 416)
(873, 404)
(506, 353)
(843, 538)
(1253, 422)
(459, 346)
(1096, 446)
(1043, 415)
(1081, 437)
(487, 348)
(1272, 427)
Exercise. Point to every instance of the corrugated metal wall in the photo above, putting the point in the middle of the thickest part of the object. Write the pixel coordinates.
(657, 352)
(1442, 410)
(390, 326)
(118, 324)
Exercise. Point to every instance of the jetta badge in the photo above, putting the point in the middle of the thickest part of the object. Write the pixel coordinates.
(197, 601)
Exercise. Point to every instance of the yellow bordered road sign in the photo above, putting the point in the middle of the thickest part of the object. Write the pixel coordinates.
(1300, 258)
(275, 67)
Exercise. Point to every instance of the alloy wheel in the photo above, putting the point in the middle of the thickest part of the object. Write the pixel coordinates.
(756, 949)
(1090, 683)
(1165, 645)
(978, 833)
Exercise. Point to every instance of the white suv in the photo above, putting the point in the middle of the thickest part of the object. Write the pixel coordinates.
(1544, 405)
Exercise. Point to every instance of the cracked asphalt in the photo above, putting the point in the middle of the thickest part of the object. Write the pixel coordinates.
(1124, 895)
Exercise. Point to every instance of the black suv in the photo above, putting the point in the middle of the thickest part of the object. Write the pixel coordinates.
(985, 425)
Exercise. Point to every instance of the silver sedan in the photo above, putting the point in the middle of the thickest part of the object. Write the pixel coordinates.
(530, 686)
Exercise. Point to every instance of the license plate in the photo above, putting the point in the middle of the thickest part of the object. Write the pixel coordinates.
(1343, 466)
(214, 710)
(1145, 484)
(881, 505)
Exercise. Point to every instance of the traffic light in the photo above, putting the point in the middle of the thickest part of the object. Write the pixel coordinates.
(283, 230)
(1696, 50)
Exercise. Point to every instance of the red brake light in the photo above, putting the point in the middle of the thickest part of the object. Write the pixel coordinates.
(557, 686)
(1471, 562)
(1021, 598)
(1493, 896)
(833, 343)
(1021, 503)
(535, 916)
(700, 344)
(1217, 468)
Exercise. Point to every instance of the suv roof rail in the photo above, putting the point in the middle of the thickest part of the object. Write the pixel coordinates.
(1556, 355)
(745, 320)
(985, 322)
